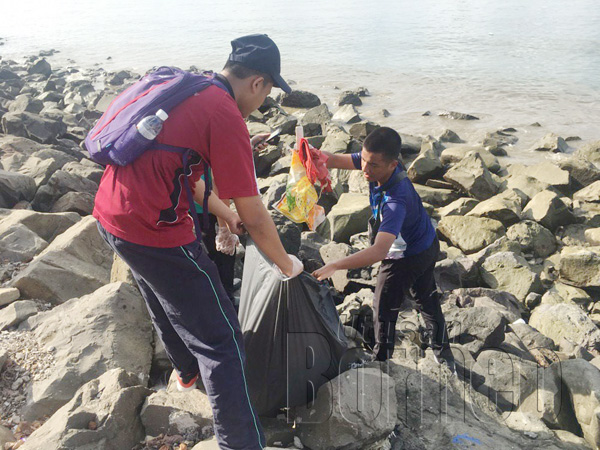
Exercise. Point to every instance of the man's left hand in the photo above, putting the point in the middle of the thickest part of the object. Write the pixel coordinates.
(325, 272)
(258, 142)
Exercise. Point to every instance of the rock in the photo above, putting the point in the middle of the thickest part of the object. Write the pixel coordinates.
(471, 176)
(336, 141)
(255, 128)
(582, 381)
(105, 330)
(315, 119)
(8, 295)
(111, 401)
(427, 165)
(45, 225)
(533, 237)
(580, 266)
(120, 271)
(470, 234)
(589, 152)
(299, 99)
(351, 411)
(590, 194)
(563, 293)
(457, 116)
(58, 185)
(526, 186)
(357, 183)
(333, 252)
(349, 98)
(436, 196)
(455, 154)
(546, 172)
(76, 263)
(183, 413)
(361, 130)
(289, 232)
(80, 202)
(41, 67)
(548, 209)
(5, 434)
(38, 128)
(16, 312)
(456, 273)
(282, 165)
(264, 159)
(385, 113)
(86, 169)
(15, 187)
(569, 322)
(509, 272)
(458, 207)
(551, 143)
(503, 302)
(583, 173)
(504, 207)
(286, 123)
(348, 217)
(592, 235)
(24, 103)
(450, 136)
(475, 328)
(347, 114)
(19, 244)
(532, 338)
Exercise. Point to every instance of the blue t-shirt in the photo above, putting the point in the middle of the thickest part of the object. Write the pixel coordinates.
(402, 214)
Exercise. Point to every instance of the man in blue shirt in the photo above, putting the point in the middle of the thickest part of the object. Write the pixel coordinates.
(402, 238)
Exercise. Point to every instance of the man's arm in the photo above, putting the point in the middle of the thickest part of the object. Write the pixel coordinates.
(339, 161)
(262, 229)
(217, 207)
(367, 257)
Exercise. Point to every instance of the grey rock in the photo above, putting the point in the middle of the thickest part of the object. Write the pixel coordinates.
(286, 123)
(509, 272)
(264, 159)
(86, 169)
(80, 202)
(583, 173)
(470, 234)
(551, 143)
(504, 207)
(347, 114)
(349, 98)
(15, 313)
(105, 330)
(531, 337)
(458, 207)
(315, 119)
(336, 141)
(476, 297)
(589, 194)
(548, 209)
(24, 103)
(589, 152)
(450, 136)
(437, 197)
(19, 244)
(58, 185)
(111, 401)
(348, 217)
(457, 115)
(546, 172)
(533, 237)
(580, 267)
(361, 130)
(526, 186)
(475, 328)
(333, 252)
(41, 67)
(299, 99)
(15, 187)
(427, 165)
(7, 296)
(471, 176)
(38, 128)
(45, 225)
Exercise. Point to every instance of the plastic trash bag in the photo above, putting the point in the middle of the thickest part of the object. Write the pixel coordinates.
(293, 336)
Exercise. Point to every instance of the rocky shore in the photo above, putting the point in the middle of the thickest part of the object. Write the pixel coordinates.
(80, 364)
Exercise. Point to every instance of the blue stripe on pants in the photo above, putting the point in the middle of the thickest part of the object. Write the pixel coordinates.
(199, 327)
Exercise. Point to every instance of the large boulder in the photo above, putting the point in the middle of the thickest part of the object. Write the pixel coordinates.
(349, 98)
(580, 266)
(526, 186)
(504, 207)
(507, 271)
(15, 187)
(551, 143)
(470, 234)
(589, 152)
(103, 414)
(38, 128)
(476, 328)
(315, 120)
(437, 197)
(548, 209)
(589, 194)
(16, 312)
(351, 411)
(348, 217)
(19, 244)
(503, 302)
(569, 322)
(361, 130)
(458, 207)
(471, 176)
(58, 185)
(546, 172)
(299, 99)
(583, 173)
(337, 140)
(45, 225)
(41, 66)
(79, 202)
(533, 237)
(107, 329)
(427, 165)
(455, 154)
(76, 263)
(347, 114)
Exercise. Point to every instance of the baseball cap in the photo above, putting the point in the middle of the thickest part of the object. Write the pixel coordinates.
(259, 52)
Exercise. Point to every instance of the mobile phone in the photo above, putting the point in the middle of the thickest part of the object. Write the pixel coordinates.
(274, 134)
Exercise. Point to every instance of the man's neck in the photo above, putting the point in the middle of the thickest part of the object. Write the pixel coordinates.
(386, 179)
(234, 82)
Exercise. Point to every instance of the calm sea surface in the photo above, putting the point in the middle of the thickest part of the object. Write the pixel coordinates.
(510, 62)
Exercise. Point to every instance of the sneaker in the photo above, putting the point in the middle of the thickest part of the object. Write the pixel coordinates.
(446, 359)
(186, 383)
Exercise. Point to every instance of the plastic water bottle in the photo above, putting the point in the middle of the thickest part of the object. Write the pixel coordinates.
(150, 126)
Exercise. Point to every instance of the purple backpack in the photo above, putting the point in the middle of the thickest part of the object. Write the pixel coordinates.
(115, 139)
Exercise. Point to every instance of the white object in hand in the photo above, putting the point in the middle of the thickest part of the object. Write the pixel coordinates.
(226, 241)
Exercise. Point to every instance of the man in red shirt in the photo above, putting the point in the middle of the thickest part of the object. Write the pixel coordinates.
(143, 213)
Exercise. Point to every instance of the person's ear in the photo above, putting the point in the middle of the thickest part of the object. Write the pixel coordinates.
(257, 83)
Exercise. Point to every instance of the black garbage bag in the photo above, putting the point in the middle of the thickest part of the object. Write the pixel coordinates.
(293, 336)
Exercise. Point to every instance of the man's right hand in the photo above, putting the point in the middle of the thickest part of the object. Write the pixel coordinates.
(294, 269)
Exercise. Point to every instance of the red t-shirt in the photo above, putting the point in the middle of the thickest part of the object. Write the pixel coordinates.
(146, 203)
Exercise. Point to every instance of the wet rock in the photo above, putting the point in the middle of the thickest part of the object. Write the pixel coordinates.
(105, 330)
(15, 187)
(16, 312)
(299, 99)
(548, 209)
(41, 67)
(471, 176)
(589, 152)
(111, 402)
(551, 143)
(457, 115)
(76, 263)
(509, 272)
(569, 322)
(349, 98)
(470, 234)
(580, 266)
(450, 136)
(533, 237)
(335, 421)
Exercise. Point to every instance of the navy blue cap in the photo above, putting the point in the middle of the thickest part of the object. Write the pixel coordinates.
(259, 52)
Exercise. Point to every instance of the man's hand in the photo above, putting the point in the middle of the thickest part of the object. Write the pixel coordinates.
(225, 241)
(258, 142)
(294, 269)
(326, 271)
(234, 223)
